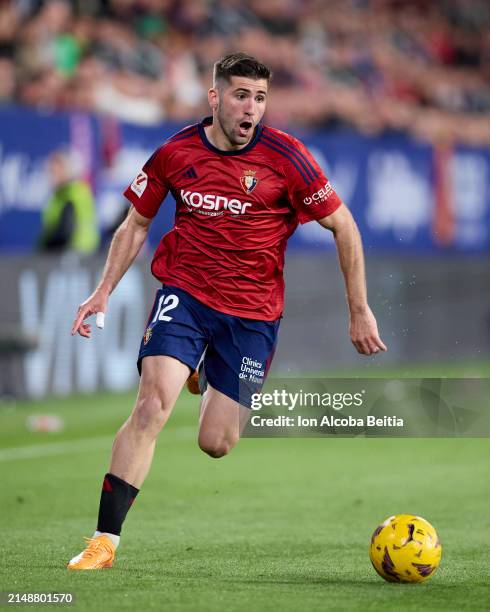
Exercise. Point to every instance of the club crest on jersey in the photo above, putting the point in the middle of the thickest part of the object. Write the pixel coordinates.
(147, 336)
(249, 181)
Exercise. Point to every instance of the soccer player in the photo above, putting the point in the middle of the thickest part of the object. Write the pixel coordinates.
(241, 188)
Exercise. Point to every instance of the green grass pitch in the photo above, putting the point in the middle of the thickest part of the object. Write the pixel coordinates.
(280, 524)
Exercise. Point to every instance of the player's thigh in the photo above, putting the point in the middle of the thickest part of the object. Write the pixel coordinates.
(174, 328)
(162, 379)
(221, 421)
(164, 376)
(238, 356)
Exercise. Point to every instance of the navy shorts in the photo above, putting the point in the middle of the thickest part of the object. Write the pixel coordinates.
(237, 351)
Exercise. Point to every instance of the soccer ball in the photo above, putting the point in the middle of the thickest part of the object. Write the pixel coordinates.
(405, 548)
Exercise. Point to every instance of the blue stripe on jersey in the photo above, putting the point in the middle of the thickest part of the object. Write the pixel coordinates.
(185, 129)
(306, 179)
(304, 161)
(151, 158)
(186, 133)
(182, 135)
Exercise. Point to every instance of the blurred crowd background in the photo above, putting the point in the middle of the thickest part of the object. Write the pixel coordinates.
(419, 66)
(391, 97)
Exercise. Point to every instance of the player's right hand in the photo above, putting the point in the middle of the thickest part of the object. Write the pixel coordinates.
(97, 302)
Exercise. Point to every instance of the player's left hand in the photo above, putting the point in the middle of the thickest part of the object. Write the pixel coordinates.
(364, 333)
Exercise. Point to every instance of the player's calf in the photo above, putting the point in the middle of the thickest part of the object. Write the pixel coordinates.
(133, 447)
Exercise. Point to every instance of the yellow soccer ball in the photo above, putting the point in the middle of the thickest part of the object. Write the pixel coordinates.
(405, 548)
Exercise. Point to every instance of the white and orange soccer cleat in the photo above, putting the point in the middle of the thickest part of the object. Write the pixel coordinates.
(98, 554)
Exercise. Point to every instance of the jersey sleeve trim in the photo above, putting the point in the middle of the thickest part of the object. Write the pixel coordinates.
(136, 202)
(321, 213)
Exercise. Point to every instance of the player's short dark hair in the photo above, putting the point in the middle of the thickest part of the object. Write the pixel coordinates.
(240, 64)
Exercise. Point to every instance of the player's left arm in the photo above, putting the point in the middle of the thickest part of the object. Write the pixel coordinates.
(363, 327)
(314, 199)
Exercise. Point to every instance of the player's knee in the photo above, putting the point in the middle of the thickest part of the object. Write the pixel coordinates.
(149, 415)
(216, 451)
(215, 447)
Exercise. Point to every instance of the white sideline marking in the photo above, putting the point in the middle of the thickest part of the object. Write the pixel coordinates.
(51, 449)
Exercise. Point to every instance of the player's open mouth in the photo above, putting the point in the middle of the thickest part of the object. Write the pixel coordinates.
(245, 127)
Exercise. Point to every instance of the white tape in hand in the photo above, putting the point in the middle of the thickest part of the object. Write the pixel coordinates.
(99, 320)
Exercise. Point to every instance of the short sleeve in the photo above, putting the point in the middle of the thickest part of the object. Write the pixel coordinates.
(149, 188)
(309, 190)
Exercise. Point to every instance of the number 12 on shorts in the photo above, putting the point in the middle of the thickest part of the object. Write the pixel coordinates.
(164, 305)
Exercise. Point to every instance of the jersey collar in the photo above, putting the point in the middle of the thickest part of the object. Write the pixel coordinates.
(208, 121)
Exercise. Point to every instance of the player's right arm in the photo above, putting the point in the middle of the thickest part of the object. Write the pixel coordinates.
(146, 193)
(126, 244)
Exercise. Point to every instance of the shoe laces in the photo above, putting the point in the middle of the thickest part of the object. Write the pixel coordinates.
(93, 545)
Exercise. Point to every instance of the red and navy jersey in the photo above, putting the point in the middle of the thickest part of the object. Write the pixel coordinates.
(235, 211)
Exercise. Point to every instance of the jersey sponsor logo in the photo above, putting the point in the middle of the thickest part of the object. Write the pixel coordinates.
(249, 181)
(139, 184)
(319, 196)
(211, 202)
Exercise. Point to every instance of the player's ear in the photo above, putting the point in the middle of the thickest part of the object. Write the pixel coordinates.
(213, 98)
